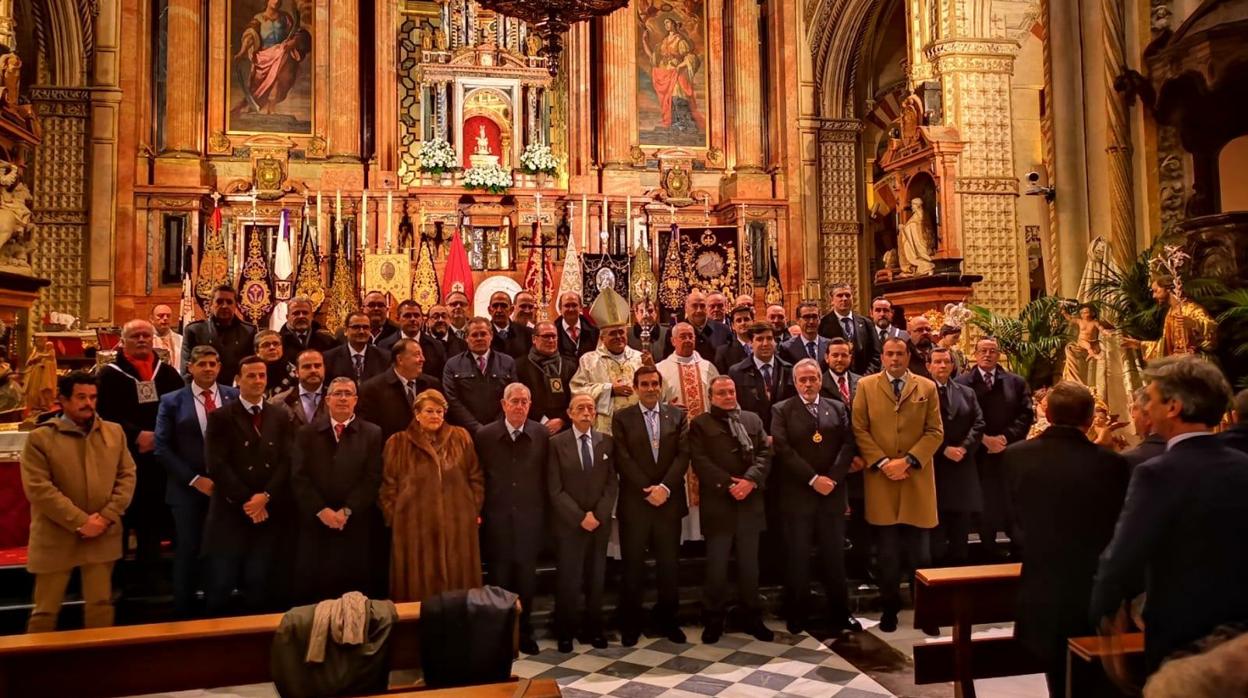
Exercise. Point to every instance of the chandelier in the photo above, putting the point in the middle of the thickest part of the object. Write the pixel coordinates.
(551, 18)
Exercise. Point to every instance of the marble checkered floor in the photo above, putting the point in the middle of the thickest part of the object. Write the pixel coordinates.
(738, 666)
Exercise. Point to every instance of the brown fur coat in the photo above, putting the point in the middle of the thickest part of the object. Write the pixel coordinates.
(431, 495)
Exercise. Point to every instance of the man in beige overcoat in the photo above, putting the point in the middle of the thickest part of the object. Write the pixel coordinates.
(897, 425)
(78, 492)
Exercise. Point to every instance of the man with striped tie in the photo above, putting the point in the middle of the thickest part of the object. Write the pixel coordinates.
(305, 401)
(808, 344)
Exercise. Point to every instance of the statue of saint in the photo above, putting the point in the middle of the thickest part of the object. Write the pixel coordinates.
(483, 142)
(1187, 329)
(41, 379)
(914, 254)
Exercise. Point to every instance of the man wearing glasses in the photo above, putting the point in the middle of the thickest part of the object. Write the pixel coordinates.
(548, 374)
(377, 309)
(807, 345)
(358, 359)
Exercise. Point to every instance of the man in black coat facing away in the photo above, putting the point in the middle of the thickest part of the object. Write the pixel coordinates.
(814, 446)
(729, 452)
(1005, 400)
(513, 451)
(386, 399)
(547, 372)
(652, 456)
(248, 455)
(473, 381)
(232, 338)
(582, 483)
(335, 475)
(1067, 492)
(129, 394)
(359, 359)
(1185, 519)
(958, 494)
(844, 323)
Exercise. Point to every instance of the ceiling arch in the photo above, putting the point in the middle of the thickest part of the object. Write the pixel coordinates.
(65, 39)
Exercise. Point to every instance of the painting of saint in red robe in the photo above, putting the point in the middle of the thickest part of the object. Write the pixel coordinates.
(671, 60)
(270, 66)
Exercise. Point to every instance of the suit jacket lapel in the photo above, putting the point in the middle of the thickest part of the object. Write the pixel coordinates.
(908, 389)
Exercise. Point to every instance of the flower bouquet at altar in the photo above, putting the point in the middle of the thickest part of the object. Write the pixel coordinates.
(436, 156)
(538, 159)
(492, 178)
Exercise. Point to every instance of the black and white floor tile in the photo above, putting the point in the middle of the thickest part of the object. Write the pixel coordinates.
(738, 666)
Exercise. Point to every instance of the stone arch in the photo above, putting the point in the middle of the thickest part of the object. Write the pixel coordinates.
(65, 38)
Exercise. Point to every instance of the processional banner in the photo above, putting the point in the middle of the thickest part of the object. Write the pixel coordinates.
(704, 258)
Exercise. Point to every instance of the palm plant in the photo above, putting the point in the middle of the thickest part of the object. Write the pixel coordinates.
(1233, 334)
(1033, 341)
(1126, 296)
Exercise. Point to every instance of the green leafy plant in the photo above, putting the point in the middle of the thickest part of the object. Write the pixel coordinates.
(1126, 298)
(1033, 341)
(1232, 315)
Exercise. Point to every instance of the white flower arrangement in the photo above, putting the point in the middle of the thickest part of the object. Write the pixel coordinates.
(492, 178)
(436, 156)
(538, 158)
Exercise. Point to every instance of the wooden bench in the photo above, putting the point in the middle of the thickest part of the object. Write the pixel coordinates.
(1084, 656)
(960, 597)
(163, 657)
(522, 688)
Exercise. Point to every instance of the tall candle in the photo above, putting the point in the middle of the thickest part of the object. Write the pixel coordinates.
(584, 220)
(338, 204)
(364, 219)
(628, 223)
(319, 228)
(389, 219)
(538, 198)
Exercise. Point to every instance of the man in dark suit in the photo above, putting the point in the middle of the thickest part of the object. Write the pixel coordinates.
(710, 334)
(958, 494)
(359, 359)
(814, 447)
(412, 326)
(473, 381)
(807, 345)
(547, 372)
(335, 475)
(129, 394)
(882, 328)
(301, 332)
(513, 451)
(180, 425)
(652, 458)
(1005, 401)
(839, 381)
(647, 323)
(582, 483)
(1237, 435)
(729, 452)
(840, 384)
(1152, 444)
(739, 349)
(1185, 519)
(576, 336)
(1067, 492)
(763, 379)
(510, 338)
(439, 328)
(844, 323)
(386, 399)
(231, 337)
(306, 401)
(920, 344)
(377, 308)
(248, 458)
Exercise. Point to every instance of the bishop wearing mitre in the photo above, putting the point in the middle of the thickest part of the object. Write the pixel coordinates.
(606, 374)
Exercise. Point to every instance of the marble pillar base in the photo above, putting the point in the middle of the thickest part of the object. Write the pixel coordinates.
(176, 170)
(744, 184)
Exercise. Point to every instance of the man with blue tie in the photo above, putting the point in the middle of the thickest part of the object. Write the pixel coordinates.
(181, 422)
(582, 484)
(652, 457)
(359, 358)
(843, 322)
(305, 401)
(808, 344)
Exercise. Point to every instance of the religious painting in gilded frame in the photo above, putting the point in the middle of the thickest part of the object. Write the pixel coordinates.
(269, 67)
(672, 65)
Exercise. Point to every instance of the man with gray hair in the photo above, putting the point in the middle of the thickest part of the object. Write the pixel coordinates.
(513, 452)
(1237, 435)
(1185, 519)
(1152, 445)
(129, 394)
(301, 332)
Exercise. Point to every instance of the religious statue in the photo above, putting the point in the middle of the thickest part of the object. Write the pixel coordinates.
(10, 79)
(482, 156)
(1084, 354)
(16, 228)
(439, 39)
(11, 397)
(426, 37)
(1187, 329)
(914, 243)
(41, 379)
(273, 45)
(532, 45)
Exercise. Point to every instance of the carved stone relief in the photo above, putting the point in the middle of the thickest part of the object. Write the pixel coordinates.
(60, 203)
(839, 227)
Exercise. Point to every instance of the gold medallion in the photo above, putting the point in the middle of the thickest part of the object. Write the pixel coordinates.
(817, 438)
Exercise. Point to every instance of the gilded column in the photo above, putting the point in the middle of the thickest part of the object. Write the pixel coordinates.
(976, 79)
(344, 79)
(747, 106)
(619, 99)
(1118, 145)
(184, 105)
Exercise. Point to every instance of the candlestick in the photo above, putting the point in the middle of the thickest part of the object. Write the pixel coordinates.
(628, 223)
(389, 220)
(319, 228)
(363, 219)
(602, 234)
(338, 204)
(538, 198)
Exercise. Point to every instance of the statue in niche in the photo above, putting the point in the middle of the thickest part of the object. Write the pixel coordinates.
(532, 45)
(10, 79)
(41, 379)
(16, 229)
(914, 243)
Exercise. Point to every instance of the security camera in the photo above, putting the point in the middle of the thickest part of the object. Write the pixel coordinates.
(1036, 189)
